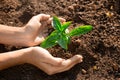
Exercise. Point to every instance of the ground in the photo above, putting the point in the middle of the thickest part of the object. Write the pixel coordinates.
(100, 48)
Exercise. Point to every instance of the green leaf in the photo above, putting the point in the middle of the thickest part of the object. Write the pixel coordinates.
(56, 23)
(63, 41)
(80, 30)
(66, 25)
(50, 40)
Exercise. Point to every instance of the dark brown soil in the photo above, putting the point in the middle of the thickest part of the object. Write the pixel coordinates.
(100, 48)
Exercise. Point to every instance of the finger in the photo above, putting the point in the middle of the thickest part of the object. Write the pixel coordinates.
(42, 17)
(55, 61)
(50, 20)
(62, 20)
(74, 60)
(69, 63)
(38, 40)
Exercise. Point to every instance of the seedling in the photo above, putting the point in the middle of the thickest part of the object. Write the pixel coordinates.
(61, 36)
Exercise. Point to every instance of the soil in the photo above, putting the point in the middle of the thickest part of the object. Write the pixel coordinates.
(100, 48)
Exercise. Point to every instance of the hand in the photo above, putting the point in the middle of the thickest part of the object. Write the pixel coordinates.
(42, 59)
(36, 29)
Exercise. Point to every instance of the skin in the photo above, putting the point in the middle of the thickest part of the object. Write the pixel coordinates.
(30, 35)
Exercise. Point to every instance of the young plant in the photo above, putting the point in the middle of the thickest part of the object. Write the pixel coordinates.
(61, 36)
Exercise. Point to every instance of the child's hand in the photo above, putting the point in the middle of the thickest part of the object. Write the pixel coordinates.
(36, 29)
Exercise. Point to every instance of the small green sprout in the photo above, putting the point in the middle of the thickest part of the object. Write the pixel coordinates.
(61, 36)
